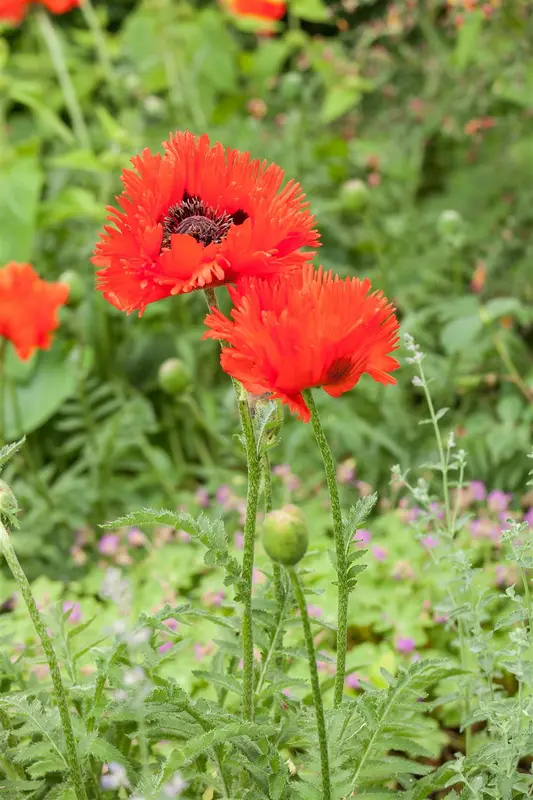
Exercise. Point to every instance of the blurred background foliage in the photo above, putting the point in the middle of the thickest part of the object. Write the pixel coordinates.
(409, 127)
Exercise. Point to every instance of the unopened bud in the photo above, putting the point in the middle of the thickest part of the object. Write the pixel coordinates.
(354, 195)
(8, 501)
(173, 377)
(285, 536)
(76, 287)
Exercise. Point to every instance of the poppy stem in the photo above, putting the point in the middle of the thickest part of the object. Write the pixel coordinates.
(315, 685)
(2, 391)
(72, 759)
(279, 591)
(340, 546)
(51, 39)
(252, 499)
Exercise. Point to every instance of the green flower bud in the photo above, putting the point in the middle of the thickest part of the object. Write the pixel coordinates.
(8, 501)
(354, 195)
(285, 536)
(291, 86)
(76, 287)
(173, 376)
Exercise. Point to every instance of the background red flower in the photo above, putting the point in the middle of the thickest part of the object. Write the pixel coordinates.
(14, 10)
(28, 308)
(261, 9)
(199, 216)
(308, 329)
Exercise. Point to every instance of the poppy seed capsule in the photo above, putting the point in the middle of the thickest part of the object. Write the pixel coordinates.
(285, 536)
(173, 376)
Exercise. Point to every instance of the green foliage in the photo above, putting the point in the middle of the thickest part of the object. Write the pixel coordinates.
(408, 126)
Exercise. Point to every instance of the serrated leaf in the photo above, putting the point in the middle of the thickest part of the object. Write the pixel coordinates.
(184, 756)
(8, 451)
(218, 679)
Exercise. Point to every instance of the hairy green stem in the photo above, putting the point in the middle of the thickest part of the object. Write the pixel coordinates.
(40, 628)
(252, 499)
(2, 391)
(450, 527)
(53, 44)
(315, 684)
(254, 484)
(340, 547)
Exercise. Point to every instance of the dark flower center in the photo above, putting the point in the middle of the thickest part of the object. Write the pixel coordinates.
(197, 219)
(338, 370)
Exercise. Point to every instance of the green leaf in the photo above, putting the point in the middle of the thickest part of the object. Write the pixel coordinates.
(219, 679)
(184, 756)
(459, 333)
(54, 379)
(310, 10)
(468, 39)
(9, 450)
(339, 100)
(20, 188)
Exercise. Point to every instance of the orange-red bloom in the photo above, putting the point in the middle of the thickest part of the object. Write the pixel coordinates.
(199, 216)
(13, 11)
(308, 329)
(266, 10)
(28, 308)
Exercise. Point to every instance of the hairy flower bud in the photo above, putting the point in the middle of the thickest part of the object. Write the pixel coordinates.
(285, 536)
(173, 376)
(76, 287)
(354, 195)
(8, 501)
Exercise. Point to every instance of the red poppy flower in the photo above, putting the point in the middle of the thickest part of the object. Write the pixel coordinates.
(305, 330)
(13, 11)
(199, 216)
(267, 10)
(28, 308)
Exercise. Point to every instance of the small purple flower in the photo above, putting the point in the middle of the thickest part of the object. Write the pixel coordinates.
(439, 618)
(498, 500)
(405, 644)
(352, 681)
(224, 497)
(413, 514)
(175, 786)
(183, 536)
(479, 490)
(429, 542)
(239, 540)
(202, 497)
(379, 553)
(211, 598)
(281, 470)
(114, 777)
(165, 647)
(362, 537)
(201, 651)
(136, 537)
(437, 510)
(75, 611)
(314, 611)
(171, 624)
(528, 517)
(109, 544)
(346, 471)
